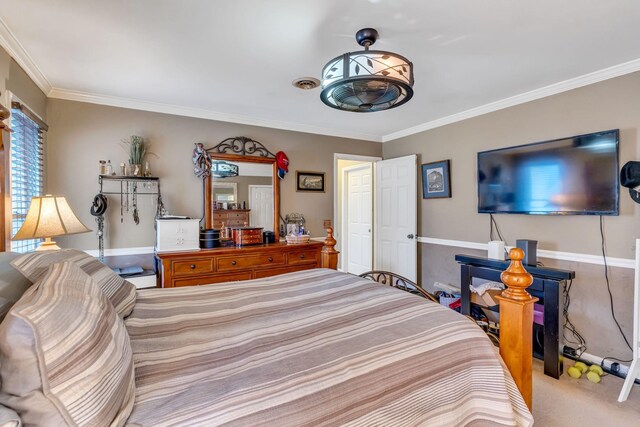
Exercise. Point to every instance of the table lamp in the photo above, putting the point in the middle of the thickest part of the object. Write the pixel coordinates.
(49, 216)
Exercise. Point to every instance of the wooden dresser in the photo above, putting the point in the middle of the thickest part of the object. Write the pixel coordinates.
(206, 266)
(230, 217)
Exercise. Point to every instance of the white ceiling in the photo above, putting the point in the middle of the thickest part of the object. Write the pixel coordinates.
(235, 60)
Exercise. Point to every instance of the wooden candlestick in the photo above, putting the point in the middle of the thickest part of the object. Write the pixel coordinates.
(516, 324)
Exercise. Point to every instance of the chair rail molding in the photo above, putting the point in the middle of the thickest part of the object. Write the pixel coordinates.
(542, 253)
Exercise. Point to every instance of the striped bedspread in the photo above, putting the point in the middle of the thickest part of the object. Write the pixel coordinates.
(313, 348)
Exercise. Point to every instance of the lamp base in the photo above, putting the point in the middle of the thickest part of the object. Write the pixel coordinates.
(48, 245)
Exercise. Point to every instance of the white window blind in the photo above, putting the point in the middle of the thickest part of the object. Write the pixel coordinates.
(27, 169)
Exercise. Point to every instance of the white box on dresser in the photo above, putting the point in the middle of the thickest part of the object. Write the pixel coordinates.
(177, 235)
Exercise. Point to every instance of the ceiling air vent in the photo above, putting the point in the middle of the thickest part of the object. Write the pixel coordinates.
(306, 83)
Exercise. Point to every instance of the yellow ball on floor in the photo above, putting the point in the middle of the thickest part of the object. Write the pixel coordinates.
(582, 366)
(597, 369)
(593, 377)
(574, 372)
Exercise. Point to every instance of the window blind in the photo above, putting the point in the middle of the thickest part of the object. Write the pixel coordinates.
(27, 170)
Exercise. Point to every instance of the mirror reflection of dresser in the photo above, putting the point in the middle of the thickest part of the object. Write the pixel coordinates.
(246, 199)
(231, 218)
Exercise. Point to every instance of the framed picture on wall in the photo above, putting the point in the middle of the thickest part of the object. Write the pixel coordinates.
(436, 180)
(310, 181)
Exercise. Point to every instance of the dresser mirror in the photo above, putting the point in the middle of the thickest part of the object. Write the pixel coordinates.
(243, 189)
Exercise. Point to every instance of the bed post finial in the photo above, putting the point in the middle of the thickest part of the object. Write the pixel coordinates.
(516, 324)
(329, 253)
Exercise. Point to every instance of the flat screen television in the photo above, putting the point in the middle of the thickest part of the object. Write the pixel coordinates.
(568, 176)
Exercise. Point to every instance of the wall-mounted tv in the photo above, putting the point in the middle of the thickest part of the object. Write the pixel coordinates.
(568, 176)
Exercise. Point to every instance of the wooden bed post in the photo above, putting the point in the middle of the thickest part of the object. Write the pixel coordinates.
(516, 324)
(329, 253)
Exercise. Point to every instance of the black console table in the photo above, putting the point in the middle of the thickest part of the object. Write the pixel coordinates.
(545, 286)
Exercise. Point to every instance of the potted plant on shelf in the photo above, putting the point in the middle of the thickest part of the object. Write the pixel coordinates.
(137, 150)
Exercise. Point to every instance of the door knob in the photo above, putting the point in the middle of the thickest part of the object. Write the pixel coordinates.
(410, 236)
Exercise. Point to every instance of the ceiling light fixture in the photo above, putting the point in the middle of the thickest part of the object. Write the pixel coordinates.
(222, 169)
(367, 80)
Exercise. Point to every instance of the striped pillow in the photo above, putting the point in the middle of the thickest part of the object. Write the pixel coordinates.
(65, 354)
(120, 292)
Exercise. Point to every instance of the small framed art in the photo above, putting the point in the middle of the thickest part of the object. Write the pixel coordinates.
(436, 180)
(310, 181)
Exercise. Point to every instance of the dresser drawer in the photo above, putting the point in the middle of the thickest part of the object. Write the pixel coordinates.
(249, 261)
(192, 266)
(308, 256)
(207, 280)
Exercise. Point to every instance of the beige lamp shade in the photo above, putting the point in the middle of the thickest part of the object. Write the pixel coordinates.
(49, 216)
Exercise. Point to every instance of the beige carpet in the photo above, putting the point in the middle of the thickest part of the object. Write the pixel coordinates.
(568, 402)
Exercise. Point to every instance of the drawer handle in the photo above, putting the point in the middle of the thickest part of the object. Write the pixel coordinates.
(270, 259)
(233, 263)
(302, 256)
(193, 266)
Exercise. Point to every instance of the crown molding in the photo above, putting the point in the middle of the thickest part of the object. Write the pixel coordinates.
(543, 92)
(13, 47)
(136, 104)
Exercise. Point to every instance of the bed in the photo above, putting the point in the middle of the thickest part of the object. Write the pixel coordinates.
(317, 347)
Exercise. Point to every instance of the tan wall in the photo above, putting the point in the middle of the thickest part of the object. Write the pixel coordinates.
(21, 85)
(14, 79)
(82, 134)
(5, 66)
(606, 105)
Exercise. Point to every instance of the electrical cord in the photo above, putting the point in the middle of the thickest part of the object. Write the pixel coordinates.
(493, 223)
(606, 276)
(577, 340)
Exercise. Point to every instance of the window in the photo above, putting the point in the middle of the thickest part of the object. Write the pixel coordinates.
(26, 168)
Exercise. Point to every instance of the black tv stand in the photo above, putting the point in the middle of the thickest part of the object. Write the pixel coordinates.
(546, 286)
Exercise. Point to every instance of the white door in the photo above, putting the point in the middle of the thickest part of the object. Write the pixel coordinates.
(357, 223)
(261, 205)
(395, 213)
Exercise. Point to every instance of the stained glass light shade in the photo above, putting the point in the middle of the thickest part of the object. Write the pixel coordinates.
(222, 169)
(367, 81)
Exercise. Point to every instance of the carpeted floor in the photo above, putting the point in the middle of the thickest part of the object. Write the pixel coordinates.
(568, 402)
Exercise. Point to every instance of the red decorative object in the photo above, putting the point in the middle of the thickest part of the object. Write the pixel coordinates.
(282, 161)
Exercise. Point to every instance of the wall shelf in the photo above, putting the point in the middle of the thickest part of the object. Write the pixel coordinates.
(130, 188)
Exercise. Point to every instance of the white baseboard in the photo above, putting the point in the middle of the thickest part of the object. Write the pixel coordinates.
(143, 282)
(542, 253)
(122, 251)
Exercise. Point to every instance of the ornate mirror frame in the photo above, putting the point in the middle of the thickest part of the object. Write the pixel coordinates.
(242, 149)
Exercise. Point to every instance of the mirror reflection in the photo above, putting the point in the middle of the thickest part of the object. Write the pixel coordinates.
(246, 199)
